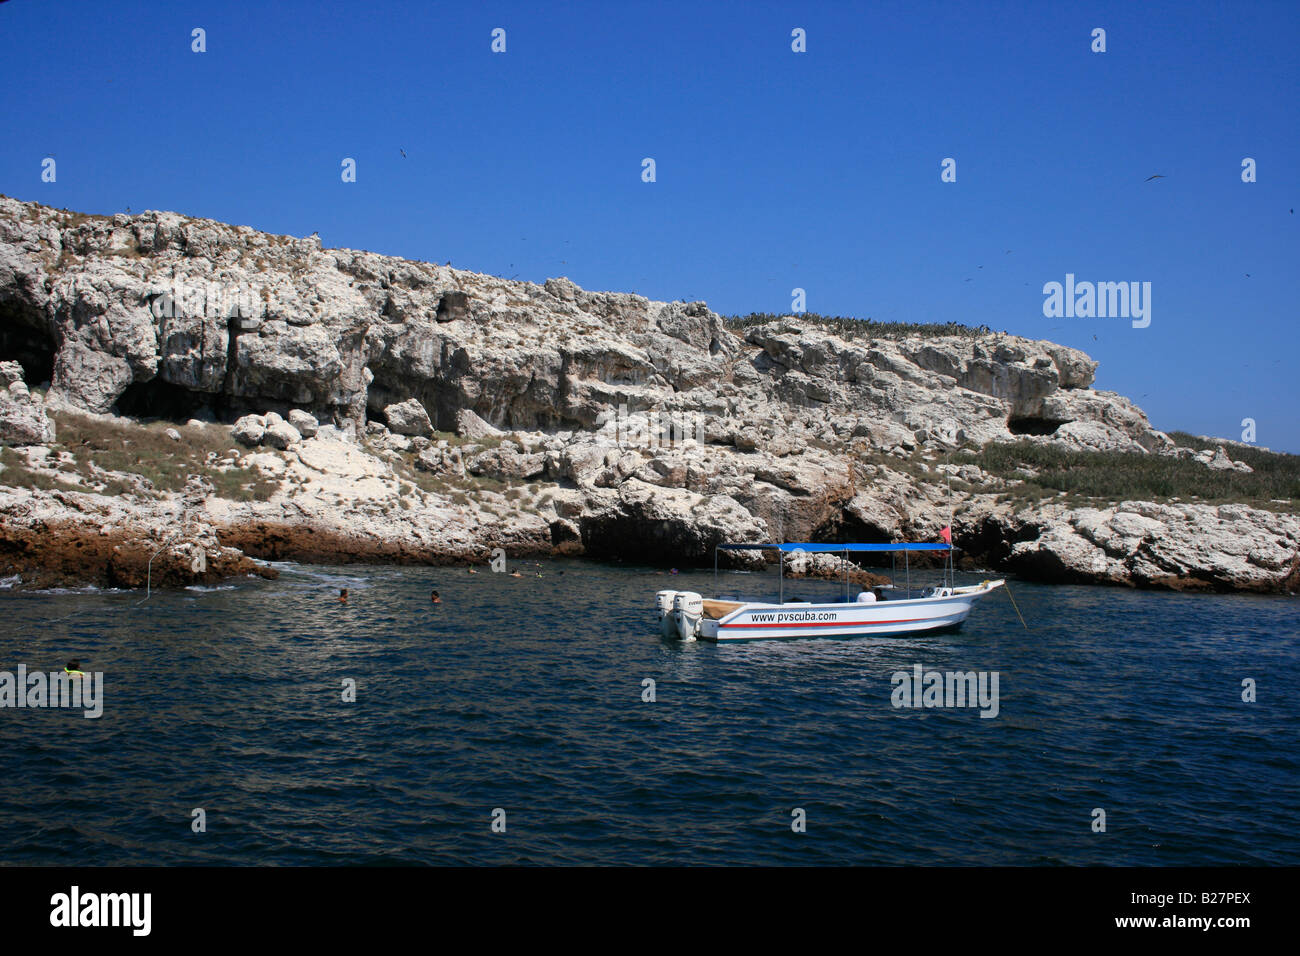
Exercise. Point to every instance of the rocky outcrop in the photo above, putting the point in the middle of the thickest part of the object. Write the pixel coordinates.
(412, 412)
(1181, 546)
(249, 430)
(408, 418)
(56, 539)
(23, 420)
(305, 424)
(158, 309)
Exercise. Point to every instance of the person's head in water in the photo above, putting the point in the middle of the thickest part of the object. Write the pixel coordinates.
(343, 595)
(73, 666)
(433, 598)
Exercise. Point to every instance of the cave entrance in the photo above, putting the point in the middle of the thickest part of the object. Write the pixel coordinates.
(23, 340)
(159, 399)
(1033, 425)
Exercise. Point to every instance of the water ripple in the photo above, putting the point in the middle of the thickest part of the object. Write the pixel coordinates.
(524, 694)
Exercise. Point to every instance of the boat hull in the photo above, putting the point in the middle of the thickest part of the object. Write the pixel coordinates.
(753, 622)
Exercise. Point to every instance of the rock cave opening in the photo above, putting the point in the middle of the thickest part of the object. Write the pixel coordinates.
(1033, 425)
(159, 399)
(24, 340)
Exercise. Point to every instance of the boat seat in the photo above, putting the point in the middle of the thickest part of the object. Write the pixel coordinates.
(716, 610)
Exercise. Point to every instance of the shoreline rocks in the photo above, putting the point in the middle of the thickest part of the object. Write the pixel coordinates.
(52, 539)
(347, 406)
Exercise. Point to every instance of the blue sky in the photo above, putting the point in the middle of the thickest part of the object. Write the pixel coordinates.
(775, 169)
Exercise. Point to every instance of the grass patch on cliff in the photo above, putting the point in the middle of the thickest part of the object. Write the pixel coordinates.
(1260, 459)
(16, 474)
(145, 449)
(130, 251)
(457, 441)
(71, 220)
(847, 327)
(1115, 476)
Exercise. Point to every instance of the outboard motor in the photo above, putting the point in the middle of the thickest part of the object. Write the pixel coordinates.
(664, 604)
(688, 609)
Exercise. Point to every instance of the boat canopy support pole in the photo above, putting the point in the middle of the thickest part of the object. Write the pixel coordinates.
(715, 572)
(780, 586)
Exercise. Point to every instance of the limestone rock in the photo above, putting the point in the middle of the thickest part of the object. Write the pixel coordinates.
(303, 421)
(249, 430)
(653, 427)
(281, 435)
(508, 462)
(408, 418)
(1179, 546)
(23, 420)
(469, 425)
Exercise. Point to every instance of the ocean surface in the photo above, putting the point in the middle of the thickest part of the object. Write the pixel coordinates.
(525, 695)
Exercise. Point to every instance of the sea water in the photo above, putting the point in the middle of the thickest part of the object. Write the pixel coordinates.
(544, 720)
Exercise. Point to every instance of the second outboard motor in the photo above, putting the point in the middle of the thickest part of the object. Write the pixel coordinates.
(664, 605)
(688, 609)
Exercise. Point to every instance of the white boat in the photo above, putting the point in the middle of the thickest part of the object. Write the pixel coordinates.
(880, 611)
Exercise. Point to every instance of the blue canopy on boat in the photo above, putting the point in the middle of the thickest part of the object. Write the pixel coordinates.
(836, 548)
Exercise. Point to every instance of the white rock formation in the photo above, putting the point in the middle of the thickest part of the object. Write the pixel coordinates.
(598, 422)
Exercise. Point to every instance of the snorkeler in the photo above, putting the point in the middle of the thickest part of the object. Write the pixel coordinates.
(74, 668)
(434, 598)
(343, 595)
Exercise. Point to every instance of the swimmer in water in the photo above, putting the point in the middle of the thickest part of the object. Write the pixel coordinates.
(515, 574)
(434, 599)
(472, 571)
(343, 595)
(74, 668)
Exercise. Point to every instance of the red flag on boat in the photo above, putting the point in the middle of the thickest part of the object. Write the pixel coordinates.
(946, 533)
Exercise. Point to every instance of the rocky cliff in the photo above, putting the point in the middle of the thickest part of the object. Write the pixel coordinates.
(330, 404)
